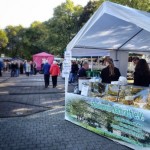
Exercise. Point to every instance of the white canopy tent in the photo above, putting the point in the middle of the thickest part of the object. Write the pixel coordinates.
(113, 30)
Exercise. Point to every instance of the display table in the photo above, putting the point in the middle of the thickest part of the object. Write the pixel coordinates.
(121, 113)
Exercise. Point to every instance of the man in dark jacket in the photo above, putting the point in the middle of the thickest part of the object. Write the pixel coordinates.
(1, 67)
(46, 68)
(74, 71)
(13, 69)
(83, 69)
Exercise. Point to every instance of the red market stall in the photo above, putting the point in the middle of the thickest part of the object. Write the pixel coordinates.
(40, 57)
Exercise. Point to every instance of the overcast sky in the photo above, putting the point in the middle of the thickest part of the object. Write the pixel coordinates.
(24, 12)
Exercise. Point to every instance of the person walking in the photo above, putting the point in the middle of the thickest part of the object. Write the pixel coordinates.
(54, 71)
(46, 68)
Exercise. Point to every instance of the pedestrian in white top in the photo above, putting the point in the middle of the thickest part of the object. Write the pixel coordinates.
(28, 68)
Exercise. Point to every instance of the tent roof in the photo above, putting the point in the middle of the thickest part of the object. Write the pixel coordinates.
(114, 27)
(6, 58)
(44, 54)
(17, 58)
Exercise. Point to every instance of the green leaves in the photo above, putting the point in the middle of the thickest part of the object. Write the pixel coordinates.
(3, 39)
(53, 35)
(91, 7)
(63, 26)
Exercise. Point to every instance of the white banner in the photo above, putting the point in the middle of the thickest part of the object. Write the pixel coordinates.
(65, 73)
(68, 55)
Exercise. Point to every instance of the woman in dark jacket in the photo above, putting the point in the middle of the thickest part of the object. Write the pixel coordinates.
(110, 73)
(142, 73)
(21, 68)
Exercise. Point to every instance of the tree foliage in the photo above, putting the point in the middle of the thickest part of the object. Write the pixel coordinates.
(53, 35)
(14, 34)
(3, 39)
(63, 26)
(138, 4)
(92, 6)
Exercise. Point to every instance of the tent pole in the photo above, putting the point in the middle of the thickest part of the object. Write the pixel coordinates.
(98, 62)
(130, 39)
(127, 42)
(87, 47)
(91, 64)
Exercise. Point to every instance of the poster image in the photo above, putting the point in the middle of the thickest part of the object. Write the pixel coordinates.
(125, 124)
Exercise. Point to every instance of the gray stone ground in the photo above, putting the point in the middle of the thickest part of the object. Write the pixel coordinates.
(32, 118)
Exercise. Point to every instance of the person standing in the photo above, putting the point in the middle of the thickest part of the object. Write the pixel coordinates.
(142, 73)
(31, 64)
(17, 69)
(82, 71)
(54, 71)
(135, 60)
(1, 67)
(28, 68)
(24, 66)
(73, 73)
(34, 68)
(21, 68)
(60, 65)
(5, 66)
(46, 68)
(110, 73)
(13, 69)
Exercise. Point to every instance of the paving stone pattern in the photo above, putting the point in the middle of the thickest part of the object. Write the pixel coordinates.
(50, 131)
(27, 95)
(47, 129)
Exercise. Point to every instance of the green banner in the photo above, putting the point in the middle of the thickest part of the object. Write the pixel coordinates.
(127, 124)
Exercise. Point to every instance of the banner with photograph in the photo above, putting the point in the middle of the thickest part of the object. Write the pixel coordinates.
(121, 114)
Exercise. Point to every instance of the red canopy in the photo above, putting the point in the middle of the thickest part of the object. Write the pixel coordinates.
(38, 59)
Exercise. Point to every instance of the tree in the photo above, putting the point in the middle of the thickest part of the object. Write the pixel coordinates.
(92, 6)
(88, 11)
(138, 4)
(63, 26)
(35, 37)
(51, 36)
(14, 34)
(54, 35)
(3, 39)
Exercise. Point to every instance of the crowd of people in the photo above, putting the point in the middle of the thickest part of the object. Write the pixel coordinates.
(30, 68)
(108, 74)
(26, 67)
(18, 67)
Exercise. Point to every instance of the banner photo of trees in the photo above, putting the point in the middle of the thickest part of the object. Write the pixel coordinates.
(126, 124)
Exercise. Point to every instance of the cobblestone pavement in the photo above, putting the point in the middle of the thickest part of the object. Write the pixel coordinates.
(5, 77)
(25, 129)
(26, 95)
